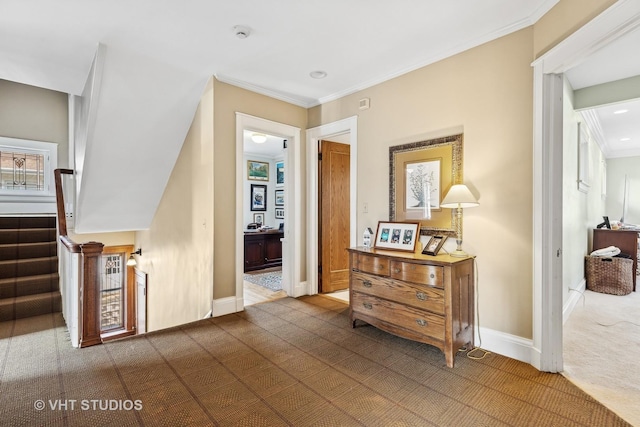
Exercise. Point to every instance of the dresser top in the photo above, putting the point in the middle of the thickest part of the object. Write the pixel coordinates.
(442, 258)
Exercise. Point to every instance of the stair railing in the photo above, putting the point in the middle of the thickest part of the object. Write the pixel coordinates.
(79, 274)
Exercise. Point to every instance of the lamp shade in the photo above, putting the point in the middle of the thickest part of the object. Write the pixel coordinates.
(459, 196)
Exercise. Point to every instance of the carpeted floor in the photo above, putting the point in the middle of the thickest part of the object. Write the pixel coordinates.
(602, 349)
(290, 362)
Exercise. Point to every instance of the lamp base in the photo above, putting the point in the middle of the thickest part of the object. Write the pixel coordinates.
(459, 254)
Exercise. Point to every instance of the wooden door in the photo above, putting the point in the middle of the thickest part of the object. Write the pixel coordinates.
(334, 216)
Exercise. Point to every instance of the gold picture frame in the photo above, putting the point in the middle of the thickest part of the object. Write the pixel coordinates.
(420, 174)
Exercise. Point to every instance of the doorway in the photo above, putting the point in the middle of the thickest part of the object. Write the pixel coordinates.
(333, 216)
(291, 242)
(346, 132)
(612, 24)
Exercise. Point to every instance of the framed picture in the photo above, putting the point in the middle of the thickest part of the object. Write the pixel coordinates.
(258, 197)
(258, 218)
(257, 171)
(434, 245)
(398, 236)
(279, 174)
(420, 174)
(279, 197)
(280, 213)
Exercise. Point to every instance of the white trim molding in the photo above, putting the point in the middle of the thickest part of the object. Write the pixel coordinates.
(505, 344)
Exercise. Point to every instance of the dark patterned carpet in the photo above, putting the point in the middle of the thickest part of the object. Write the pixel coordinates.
(290, 362)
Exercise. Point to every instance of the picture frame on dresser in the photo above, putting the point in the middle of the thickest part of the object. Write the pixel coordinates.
(434, 245)
(397, 236)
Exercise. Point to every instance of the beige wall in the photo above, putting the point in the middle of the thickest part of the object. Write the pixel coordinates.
(28, 112)
(563, 20)
(229, 100)
(177, 251)
(486, 92)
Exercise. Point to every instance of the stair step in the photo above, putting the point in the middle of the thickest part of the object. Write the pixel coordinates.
(27, 235)
(30, 305)
(27, 250)
(28, 267)
(17, 222)
(29, 285)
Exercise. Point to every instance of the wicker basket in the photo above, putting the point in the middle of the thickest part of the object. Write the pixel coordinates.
(609, 275)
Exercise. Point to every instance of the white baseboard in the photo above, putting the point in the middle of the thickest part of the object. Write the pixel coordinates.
(300, 289)
(224, 306)
(574, 297)
(505, 344)
(208, 315)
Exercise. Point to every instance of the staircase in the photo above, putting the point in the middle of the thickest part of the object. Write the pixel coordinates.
(29, 283)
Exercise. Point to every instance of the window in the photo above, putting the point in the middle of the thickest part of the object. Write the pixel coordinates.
(26, 168)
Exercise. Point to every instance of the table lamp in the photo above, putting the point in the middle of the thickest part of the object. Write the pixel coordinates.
(459, 197)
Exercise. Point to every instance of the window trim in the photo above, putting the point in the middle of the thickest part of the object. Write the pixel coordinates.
(50, 152)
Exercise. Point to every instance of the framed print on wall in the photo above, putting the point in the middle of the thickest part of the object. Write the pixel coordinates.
(279, 197)
(258, 197)
(397, 236)
(420, 174)
(257, 171)
(258, 218)
(279, 213)
(279, 174)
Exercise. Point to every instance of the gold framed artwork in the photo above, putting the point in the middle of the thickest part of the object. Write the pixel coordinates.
(420, 174)
(257, 171)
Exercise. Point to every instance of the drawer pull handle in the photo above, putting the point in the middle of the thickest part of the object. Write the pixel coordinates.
(421, 322)
(433, 276)
(421, 296)
(366, 283)
(367, 305)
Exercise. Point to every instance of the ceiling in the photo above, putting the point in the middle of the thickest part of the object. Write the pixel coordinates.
(357, 43)
(620, 132)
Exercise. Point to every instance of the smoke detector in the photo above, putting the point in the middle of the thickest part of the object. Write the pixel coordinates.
(242, 31)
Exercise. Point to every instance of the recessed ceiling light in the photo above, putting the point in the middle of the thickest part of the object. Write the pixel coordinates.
(625, 139)
(318, 74)
(258, 138)
(620, 111)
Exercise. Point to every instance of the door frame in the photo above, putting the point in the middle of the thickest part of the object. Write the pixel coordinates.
(291, 243)
(314, 135)
(612, 24)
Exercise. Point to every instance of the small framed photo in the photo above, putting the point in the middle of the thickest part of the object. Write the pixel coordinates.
(279, 174)
(279, 197)
(258, 218)
(434, 245)
(280, 213)
(258, 197)
(257, 171)
(398, 236)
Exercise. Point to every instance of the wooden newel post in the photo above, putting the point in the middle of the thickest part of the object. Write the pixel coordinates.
(90, 293)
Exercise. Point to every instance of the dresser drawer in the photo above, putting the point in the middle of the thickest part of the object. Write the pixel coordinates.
(372, 264)
(430, 275)
(418, 321)
(421, 297)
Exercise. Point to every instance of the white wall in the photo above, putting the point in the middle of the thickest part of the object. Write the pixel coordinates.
(581, 211)
(269, 214)
(616, 171)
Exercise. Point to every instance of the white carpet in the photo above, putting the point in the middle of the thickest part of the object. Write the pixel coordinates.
(602, 351)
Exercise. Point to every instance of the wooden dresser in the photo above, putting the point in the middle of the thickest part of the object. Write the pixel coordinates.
(424, 298)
